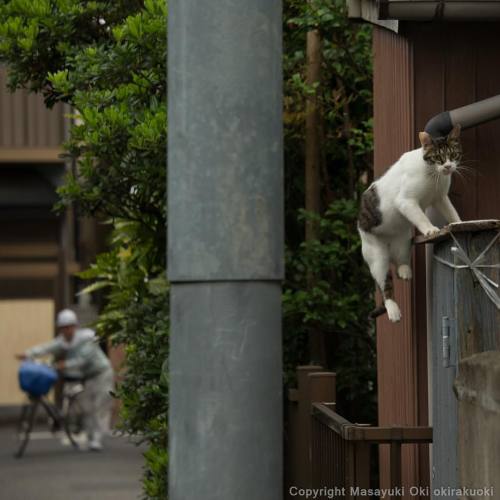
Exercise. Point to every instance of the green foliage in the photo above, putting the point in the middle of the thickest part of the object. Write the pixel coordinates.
(108, 60)
(338, 302)
(157, 464)
(137, 298)
(344, 93)
(334, 257)
(40, 37)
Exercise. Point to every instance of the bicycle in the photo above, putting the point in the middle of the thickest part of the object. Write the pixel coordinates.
(69, 418)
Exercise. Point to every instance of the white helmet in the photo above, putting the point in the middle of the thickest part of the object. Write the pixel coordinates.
(66, 317)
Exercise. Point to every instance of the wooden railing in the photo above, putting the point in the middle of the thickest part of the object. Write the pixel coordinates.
(340, 451)
(326, 451)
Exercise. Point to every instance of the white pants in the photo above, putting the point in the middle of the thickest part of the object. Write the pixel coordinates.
(97, 402)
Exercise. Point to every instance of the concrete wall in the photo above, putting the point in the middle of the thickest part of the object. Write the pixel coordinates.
(478, 390)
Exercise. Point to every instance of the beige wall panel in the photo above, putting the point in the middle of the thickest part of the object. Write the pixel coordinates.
(23, 323)
(26, 123)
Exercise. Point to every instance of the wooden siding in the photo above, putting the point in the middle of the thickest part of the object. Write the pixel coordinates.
(456, 64)
(424, 70)
(29, 132)
(398, 344)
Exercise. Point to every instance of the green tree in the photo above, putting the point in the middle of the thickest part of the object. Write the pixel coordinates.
(337, 303)
(107, 59)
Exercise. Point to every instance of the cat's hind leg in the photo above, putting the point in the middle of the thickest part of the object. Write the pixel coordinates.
(377, 255)
(400, 250)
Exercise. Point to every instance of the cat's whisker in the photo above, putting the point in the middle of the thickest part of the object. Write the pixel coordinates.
(466, 175)
(463, 171)
(461, 177)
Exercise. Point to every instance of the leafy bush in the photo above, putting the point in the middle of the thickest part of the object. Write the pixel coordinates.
(108, 60)
(338, 302)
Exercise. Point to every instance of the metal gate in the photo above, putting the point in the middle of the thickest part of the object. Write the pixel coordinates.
(465, 321)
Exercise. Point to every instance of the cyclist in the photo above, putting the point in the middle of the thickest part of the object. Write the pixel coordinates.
(84, 359)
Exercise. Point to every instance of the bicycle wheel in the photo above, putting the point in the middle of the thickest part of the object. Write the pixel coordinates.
(25, 426)
(73, 419)
(73, 416)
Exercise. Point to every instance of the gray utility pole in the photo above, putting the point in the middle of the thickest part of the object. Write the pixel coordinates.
(225, 255)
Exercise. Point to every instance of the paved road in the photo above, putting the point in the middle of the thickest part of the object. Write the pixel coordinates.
(51, 471)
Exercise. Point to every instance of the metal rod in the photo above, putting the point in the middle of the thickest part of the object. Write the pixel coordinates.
(225, 256)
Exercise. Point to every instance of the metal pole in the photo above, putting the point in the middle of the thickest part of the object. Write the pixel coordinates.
(225, 210)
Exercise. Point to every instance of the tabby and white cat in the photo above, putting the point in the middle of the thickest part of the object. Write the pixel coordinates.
(397, 201)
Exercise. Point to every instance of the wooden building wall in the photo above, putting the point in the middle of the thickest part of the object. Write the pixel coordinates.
(425, 69)
(23, 323)
(29, 132)
(30, 170)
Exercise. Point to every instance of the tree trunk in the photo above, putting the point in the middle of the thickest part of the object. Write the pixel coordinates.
(312, 172)
(313, 118)
(351, 171)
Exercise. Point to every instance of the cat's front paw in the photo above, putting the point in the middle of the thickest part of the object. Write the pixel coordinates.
(431, 230)
(393, 311)
(404, 272)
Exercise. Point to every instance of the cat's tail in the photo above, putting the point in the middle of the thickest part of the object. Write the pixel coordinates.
(393, 312)
(378, 311)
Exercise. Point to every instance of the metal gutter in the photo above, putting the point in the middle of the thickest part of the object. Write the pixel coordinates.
(466, 116)
(388, 13)
(439, 10)
(368, 10)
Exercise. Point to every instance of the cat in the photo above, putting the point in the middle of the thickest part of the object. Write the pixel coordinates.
(397, 201)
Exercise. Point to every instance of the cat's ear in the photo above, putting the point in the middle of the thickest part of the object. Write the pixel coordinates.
(425, 139)
(455, 132)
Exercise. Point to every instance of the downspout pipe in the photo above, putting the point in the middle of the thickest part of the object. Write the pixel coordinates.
(466, 116)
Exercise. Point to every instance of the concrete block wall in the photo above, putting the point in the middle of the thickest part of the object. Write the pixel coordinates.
(478, 390)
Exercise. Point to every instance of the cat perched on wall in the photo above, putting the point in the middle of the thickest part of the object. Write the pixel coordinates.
(396, 202)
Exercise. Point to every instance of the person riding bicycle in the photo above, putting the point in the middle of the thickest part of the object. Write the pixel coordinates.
(83, 359)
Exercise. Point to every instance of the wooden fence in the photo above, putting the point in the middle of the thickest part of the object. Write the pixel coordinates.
(327, 452)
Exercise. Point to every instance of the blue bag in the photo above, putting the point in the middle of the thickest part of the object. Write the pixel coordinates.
(36, 379)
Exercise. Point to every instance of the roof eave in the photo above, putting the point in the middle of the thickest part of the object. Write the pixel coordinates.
(368, 10)
(388, 13)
